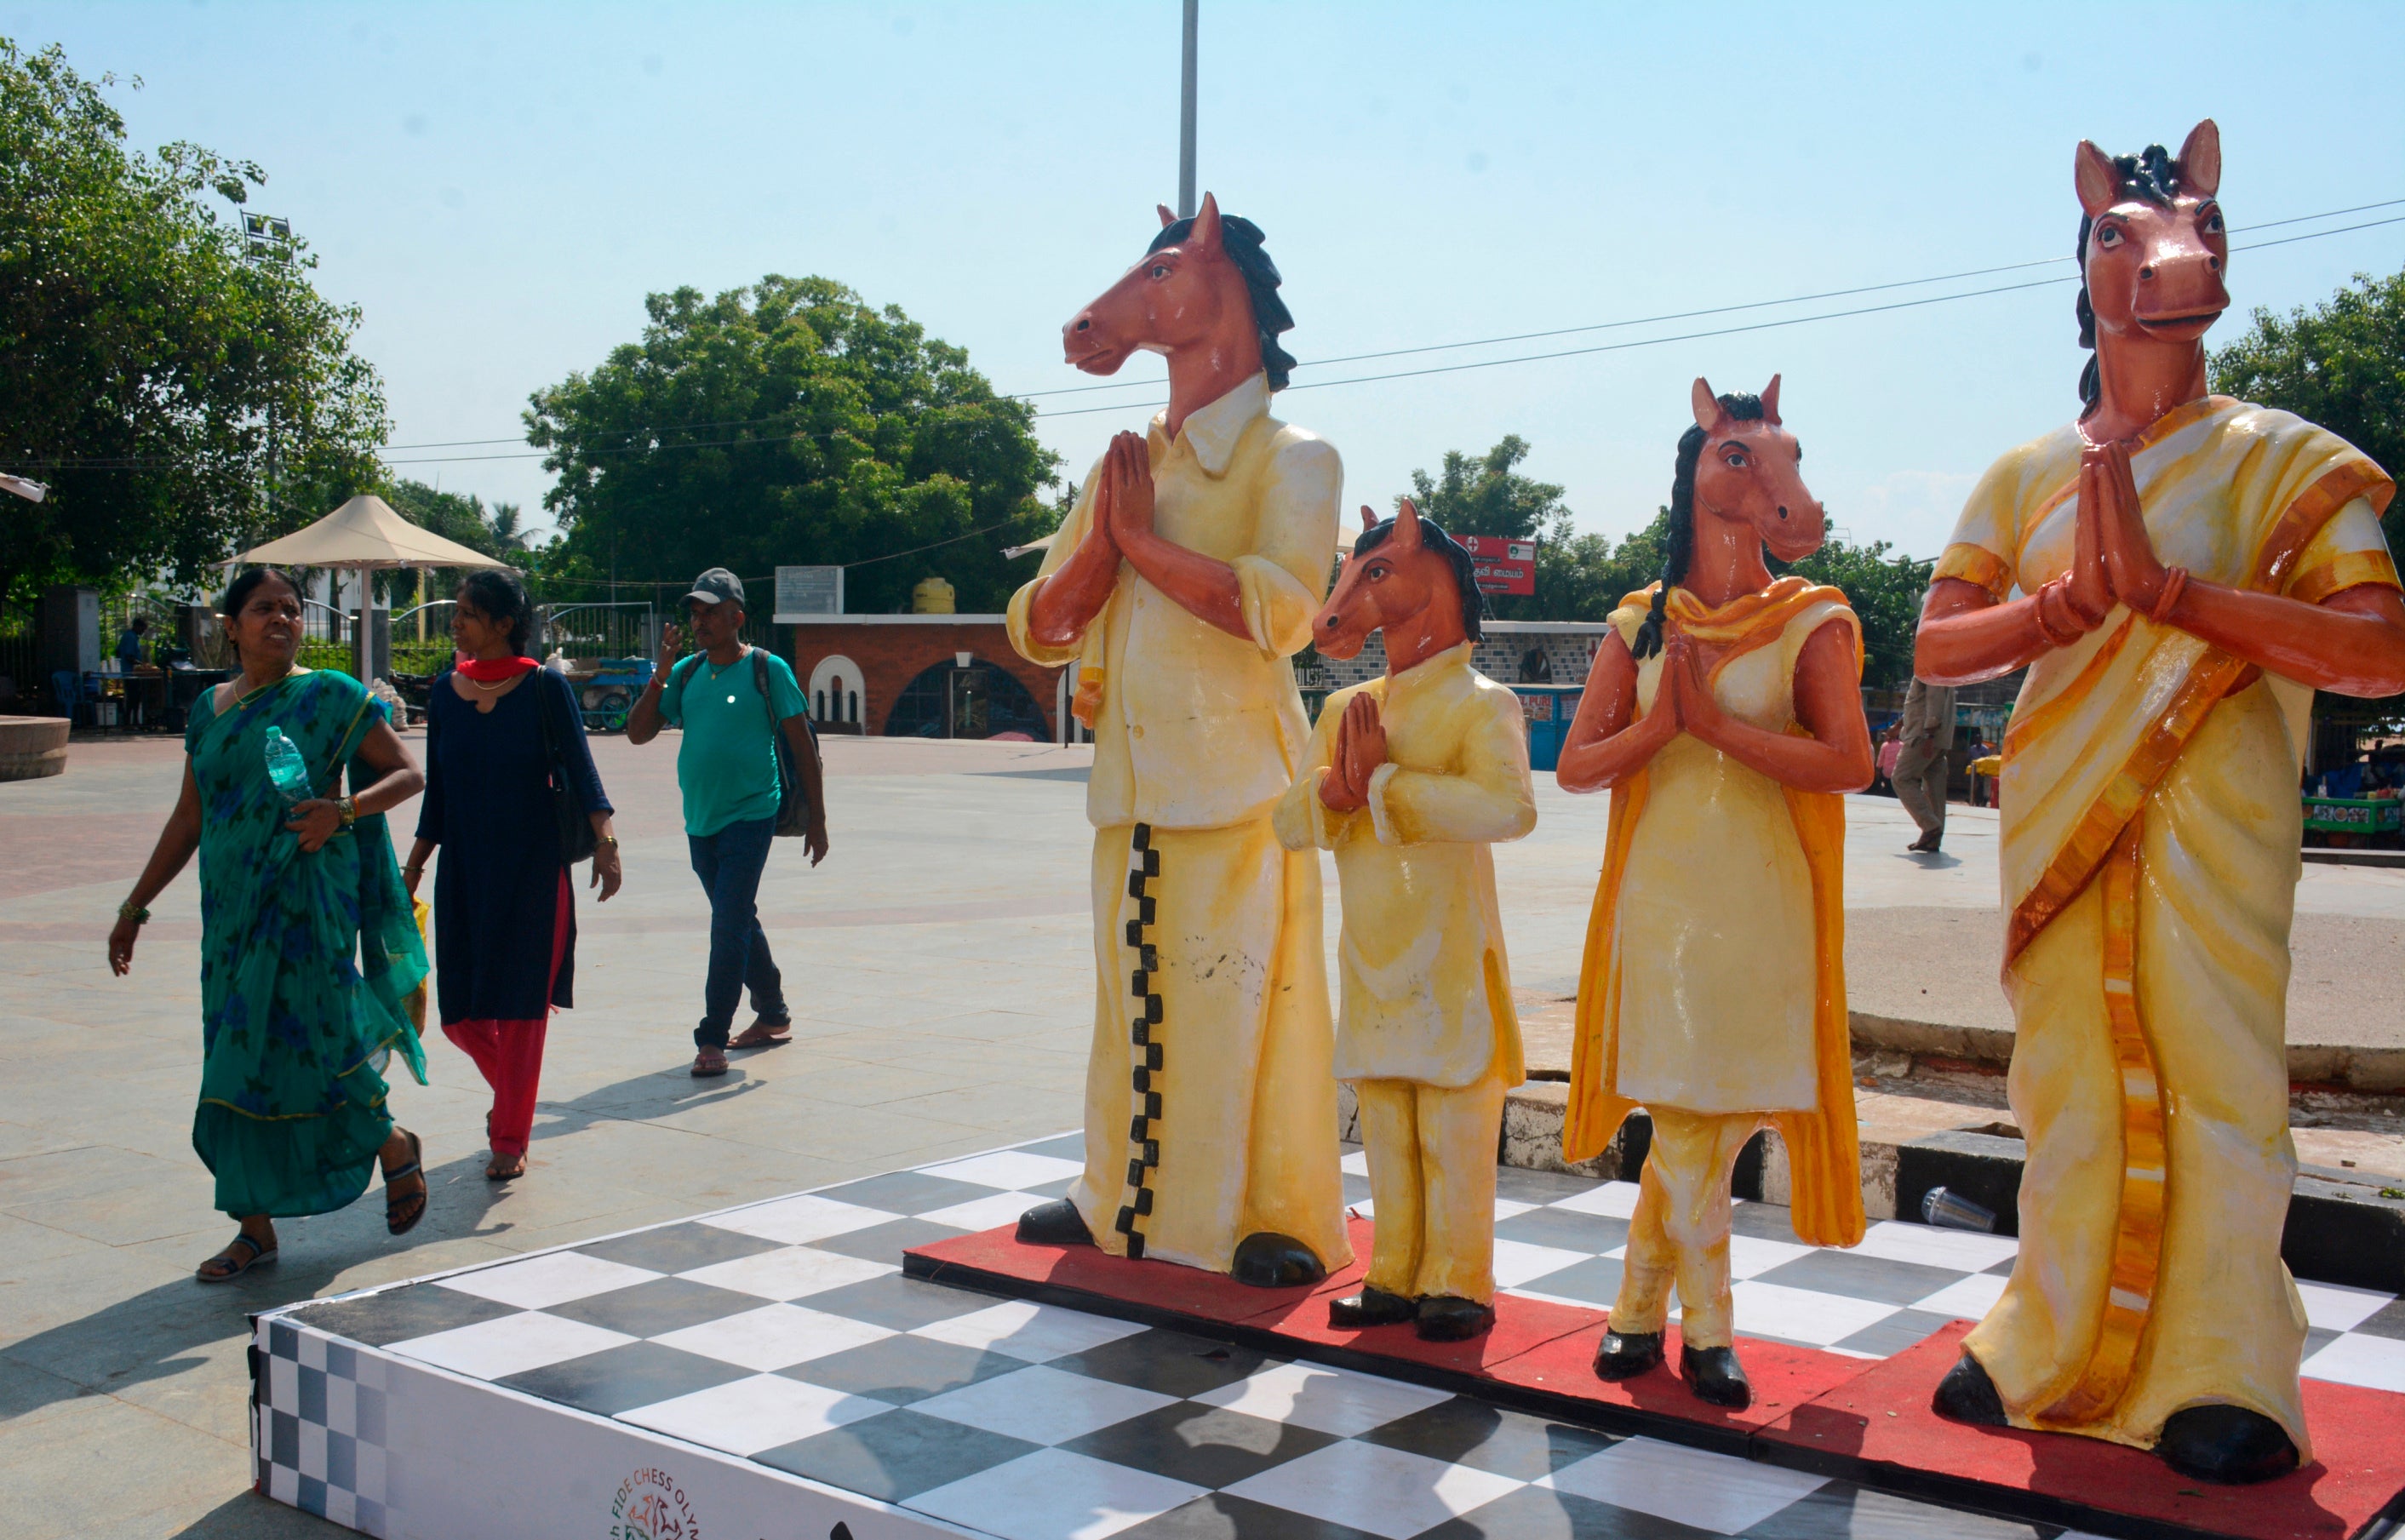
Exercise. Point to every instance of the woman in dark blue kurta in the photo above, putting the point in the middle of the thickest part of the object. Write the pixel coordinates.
(504, 922)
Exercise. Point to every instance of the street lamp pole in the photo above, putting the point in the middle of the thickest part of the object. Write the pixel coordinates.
(1185, 120)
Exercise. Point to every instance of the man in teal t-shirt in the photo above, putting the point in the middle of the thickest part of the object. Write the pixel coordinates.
(727, 767)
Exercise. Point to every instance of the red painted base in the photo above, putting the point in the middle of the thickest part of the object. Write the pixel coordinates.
(1868, 1420)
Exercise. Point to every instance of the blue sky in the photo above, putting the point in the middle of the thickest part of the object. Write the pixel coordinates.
(498, 185)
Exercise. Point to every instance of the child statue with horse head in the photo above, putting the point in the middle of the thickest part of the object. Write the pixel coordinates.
(1409, 778)
(1723, 714)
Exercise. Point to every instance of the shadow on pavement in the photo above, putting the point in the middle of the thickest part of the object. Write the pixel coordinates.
(158, 1332)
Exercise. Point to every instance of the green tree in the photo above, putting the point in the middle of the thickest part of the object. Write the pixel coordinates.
(790, 422)
(1885, 592)
(2341, 364)
(179, 400)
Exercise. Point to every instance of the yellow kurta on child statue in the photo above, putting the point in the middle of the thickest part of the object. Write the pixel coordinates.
(1409, 778)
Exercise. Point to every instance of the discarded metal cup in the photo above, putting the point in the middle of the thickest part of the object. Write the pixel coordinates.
(1953, 1212)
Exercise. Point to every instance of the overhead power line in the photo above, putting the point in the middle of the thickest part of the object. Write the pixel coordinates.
(645, 448)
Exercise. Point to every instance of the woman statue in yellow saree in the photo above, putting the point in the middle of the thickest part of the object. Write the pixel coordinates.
(1725, 715)
(2189, 570)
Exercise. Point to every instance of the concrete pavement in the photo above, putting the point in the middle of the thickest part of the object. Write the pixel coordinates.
(940, 970)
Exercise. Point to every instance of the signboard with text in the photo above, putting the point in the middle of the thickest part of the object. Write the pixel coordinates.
(1503, 566)
(808, 593)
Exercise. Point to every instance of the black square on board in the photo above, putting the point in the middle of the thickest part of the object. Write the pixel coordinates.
(1880, 1278)
(1207, 1446)
(1526, 1186)
(678, 1248)
(906, 1192)
(895, 1455)
(897, 1303)
(1538, 1513)
(616, 1379)
(1165, 1362)
(656, 1307)
(1892, 1336)
(1565, 1228)
(2387, 1320)
(1222, 1515)
(886, 1242)
(397, 1315)
(1842, 1511)
(903, 1369)
(1468, 1432)
(1594, 1281)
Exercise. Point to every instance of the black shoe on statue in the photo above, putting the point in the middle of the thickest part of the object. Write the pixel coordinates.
(1626, 1355)
(1370, 1307)
(1966, 1394)
(1268, 1260)
(2226, 1444)
(1443, 1318)
(1715, 1376)
(1054, 1223)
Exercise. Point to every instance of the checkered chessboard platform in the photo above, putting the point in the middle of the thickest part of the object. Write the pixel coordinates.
(782, 1337)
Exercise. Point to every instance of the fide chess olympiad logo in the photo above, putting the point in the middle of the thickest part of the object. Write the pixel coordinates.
(652, 1506)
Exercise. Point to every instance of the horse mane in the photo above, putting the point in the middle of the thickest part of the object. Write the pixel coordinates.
(1241, 239)
(1681, 547)
(2151, 174)
(1464, 569)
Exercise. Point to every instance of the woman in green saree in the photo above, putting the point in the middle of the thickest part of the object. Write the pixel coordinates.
(308, 947)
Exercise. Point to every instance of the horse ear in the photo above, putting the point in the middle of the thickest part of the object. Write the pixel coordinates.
(1708, 414)
(2199, 159)
(2092, 173)
(1368, 517)
(1407, 525)
(1770, 402)
(1167, 218)
(1206, 226)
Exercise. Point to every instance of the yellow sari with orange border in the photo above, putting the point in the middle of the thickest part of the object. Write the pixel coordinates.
(2151, 835)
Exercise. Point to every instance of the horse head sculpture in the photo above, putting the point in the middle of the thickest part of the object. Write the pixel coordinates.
(2153, 252)
(1204, 296)
(1406, 577)
(1737, 490)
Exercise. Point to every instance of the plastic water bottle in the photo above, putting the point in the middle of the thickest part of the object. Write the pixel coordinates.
(286, 768)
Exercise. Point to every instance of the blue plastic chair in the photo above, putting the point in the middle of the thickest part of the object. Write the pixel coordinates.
(66, 689)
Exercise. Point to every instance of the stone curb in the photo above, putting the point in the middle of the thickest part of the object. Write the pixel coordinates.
(2374, 1071)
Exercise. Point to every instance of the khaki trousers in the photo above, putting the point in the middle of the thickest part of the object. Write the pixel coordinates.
(1680, 1231)
(1431, 1151)
(1920, 782)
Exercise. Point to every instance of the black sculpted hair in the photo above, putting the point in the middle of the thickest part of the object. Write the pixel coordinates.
(1741, 408)
(501, 594)
(1242, 239)
(2155, 177)
(1464, 569)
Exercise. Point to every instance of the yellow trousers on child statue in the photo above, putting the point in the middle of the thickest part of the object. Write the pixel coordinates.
(1680, 1233)
(1431, 1156)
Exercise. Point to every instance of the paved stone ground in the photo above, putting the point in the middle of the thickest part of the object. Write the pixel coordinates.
(940, 967)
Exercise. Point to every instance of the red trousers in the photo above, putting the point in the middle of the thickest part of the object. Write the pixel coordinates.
(509, 1054)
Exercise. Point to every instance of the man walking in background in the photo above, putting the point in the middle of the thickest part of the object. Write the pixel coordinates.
(1921, 769)
(732, 700)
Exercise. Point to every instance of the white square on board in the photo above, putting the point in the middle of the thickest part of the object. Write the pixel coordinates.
(797, 1220)
(1054, 1495)
(1043, 1406)
(1390, 1492)
(511, 1344)
(1804, 1315)
(746, 1416)
(794, 1273)
(540, 1282)
(1312, 1395)
(1719, 1493)
(1009, 1169)
(1034, 1333)
(773, 1336)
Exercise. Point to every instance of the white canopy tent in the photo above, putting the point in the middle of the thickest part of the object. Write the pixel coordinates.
(364, 535)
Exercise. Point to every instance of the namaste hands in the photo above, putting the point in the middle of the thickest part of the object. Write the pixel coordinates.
(1123, 498)
(1361, 749)
(2112, 560)
(1683, 699)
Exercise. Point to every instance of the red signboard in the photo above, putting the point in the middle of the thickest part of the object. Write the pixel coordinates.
(1503, 566)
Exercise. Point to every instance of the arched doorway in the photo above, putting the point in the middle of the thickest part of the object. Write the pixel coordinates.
(838, 694)
(975, 701)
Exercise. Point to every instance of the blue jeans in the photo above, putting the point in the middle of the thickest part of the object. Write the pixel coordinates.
(729, 863)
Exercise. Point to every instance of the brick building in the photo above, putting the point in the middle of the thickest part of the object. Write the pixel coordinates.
(924, 675)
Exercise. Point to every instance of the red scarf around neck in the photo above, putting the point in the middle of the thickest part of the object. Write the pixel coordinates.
(494, 670)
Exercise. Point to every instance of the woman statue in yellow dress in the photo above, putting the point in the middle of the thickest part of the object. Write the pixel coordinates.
(1724, 714)
(2179, 572)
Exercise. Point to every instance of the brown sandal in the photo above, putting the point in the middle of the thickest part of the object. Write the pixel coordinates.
(762, 1034)
(709, 1062)
(400, 1218)
(503, 1168)
(235, 1263)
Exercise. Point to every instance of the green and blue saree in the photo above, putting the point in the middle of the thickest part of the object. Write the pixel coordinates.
(306, 960)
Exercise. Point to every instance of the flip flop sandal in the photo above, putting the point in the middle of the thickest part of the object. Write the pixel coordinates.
(497, 1169)
(260, 1257)
(709, 1062)
(394, 1208)
(761, 1035)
